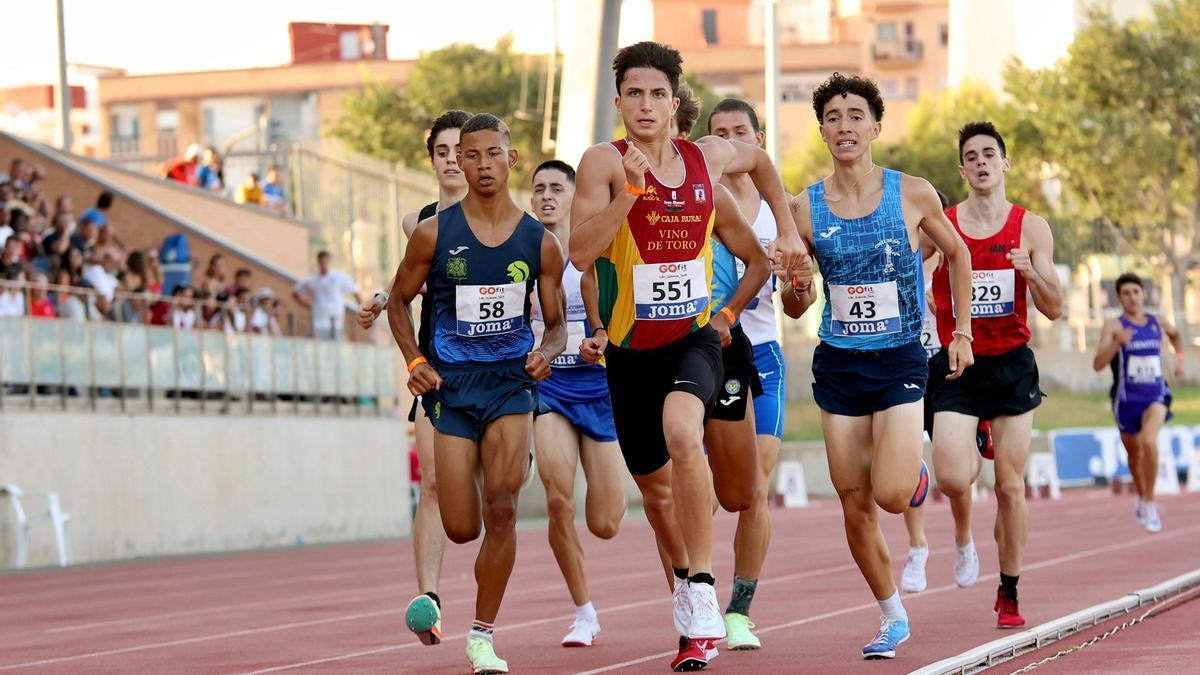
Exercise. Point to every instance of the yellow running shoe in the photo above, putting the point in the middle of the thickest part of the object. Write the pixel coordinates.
(739, 637)
(425, 619)
(483, 657)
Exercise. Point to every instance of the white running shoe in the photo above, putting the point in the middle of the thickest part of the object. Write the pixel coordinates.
(1140, 511)
(966, 565)
(707, 621)
(1153, 523)
(681, 606)
(912, 579)
(583, 633)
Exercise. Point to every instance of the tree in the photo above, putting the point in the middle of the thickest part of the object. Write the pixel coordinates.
(1118, 124)
(388, 122)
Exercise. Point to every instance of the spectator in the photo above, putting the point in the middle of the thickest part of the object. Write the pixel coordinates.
(265, 317)
(16, 174)
(183, 309)
(69, 305)
(57, 238)
(131, 306)
(183, 169)
(241, 280)
(102, 276)
(63, 205)
(209, 314)
(208, 176)
(273, 191)
(36, 199)
(12, 300)
(5, 229)
(99, 212)
(86, 236)
(325, 294)
(236, 319)
(74, 266)
(216, 272)
(10, 260)
(39, 300)
(249, 192)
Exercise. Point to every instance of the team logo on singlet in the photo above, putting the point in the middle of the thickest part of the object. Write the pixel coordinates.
(651, 194)
(456, 268)
(674, 204)
(653, 218)
(732, 387)
(518, 271)
(891, 249)
(698, 193)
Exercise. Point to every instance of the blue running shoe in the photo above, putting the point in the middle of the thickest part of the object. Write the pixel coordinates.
(891, 633)
(922, 492)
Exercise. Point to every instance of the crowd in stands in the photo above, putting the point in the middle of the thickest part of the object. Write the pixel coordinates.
(201, 167)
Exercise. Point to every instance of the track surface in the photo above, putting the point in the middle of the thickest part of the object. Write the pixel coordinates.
(340, 607)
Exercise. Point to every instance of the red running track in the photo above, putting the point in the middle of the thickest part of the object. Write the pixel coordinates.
(323, 608)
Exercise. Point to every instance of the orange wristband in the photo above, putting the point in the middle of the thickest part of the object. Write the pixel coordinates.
(728, 315)
(635, 191)
(412, 365)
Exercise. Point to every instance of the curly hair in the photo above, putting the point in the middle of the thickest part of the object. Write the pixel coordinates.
(840, 85)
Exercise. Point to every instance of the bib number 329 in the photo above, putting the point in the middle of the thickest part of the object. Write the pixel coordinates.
(865, 309)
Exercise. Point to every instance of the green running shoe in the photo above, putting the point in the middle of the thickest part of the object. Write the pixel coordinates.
(425, 619)
(738, 635)
(483, 657)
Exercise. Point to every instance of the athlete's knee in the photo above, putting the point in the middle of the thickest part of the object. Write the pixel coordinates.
(658, 502)
(735, 498)
(499, 511)
(685, 441)
(605, 525)
(893, 500)
(953, 486)
(560, 506)
(856, 511)
(1010, 490)
(462, 531)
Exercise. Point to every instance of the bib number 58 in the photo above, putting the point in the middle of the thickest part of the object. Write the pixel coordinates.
(491, 309)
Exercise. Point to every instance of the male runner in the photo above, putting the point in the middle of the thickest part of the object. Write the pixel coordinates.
(578, 429)
(480, 259)
(869, 369)
(736, 120)
(1131, 345)
(423, 615)
(643, 214)
(1012, 256)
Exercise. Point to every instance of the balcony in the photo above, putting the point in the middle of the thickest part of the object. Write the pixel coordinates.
(901, 52)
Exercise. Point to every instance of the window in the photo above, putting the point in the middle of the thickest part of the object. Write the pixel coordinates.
(885, 32)
(911, 88)
(889, 88)
(944, 35)
(708, 19)
(351, 46)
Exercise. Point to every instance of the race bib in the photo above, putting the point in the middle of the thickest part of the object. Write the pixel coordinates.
(1143, 369)
(865, 309)
(929, 334)
(489, 310)
(570, 357)
(993, 293)
(668, 291)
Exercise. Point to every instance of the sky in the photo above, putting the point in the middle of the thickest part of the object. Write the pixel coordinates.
(147, 36)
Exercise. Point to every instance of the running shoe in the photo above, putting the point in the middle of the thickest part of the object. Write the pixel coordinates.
(922, 492)
(707, 622)
(983, 440)
(681, 606)
(693, 655)
(912, 579)
(1140, 511)
(483, 657)
(583, 633)
(966, 565)
(891, 634)
(1008, 614)
(737, 629)
(1152, 522)
(424, 618)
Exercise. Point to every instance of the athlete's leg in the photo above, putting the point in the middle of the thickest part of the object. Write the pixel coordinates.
(960, 508)
(504, 456)
(896, 462)
(605, 471)
(956, 463)
(1152, 422)
(753, 534)
(683, 425)
(659, 505)
(912, 576)
(731, 454)
(429, 538)
(556, 445)
(914, 522)
(1012, 438)
(458, 467)
(1133, 451)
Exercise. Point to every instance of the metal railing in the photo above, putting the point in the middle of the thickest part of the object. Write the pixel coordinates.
(49, 363)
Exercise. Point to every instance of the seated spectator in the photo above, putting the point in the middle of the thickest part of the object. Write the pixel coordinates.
(208, 175)
(265, 318)
(11, 259)
(63, 205)
(68, 304)
(99, 212)
(249, 192)
(37, 200)
(183, 308)
(73, 263)
(39, 300)
(183, 169)
(216, 273)
(209, 314)
(57, 238)
(87, 234)
(5, 229)
(131, 305)
(12, 299)
(241, 279)
(273, 191)
(236, 319)
(102, 276)
(18, 174)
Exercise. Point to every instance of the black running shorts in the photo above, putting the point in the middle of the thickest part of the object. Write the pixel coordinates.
(741, 380)
(1005, 385)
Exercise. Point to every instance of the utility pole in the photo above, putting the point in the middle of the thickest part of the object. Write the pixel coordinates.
(771, 68)
(64, 89)
(606, 116)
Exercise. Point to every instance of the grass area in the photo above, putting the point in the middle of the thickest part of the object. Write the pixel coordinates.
(1063, 409)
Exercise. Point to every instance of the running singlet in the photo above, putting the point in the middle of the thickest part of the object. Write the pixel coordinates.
(874, 295)
(997, 290)
(654, 277)
(758, 319)
(1138, 373)
(480, 294)
(577, 324)
(929, 334)
(425, 330)
(727, 272)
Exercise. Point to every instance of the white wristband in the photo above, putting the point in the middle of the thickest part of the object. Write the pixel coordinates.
(384, 294)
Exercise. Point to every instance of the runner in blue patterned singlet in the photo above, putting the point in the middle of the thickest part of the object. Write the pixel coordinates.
(479, 260)
(1131, 345)
(870, 369)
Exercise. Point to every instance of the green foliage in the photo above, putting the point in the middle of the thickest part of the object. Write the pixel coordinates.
(391, 123)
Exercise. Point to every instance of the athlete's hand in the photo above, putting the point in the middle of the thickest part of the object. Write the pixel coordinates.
(961, 356)
(537, 364)
(720, 323)
(423, 380)
(787, 250)
(1179, 368)
(1021, 262)
(369, 311)
(1124, 336)
(636, 165)
(592, 349)
(802, 272)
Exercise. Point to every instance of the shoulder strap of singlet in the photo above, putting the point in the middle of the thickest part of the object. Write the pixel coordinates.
(427, 211)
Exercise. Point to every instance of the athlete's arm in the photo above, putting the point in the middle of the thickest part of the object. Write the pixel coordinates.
(934, 223)
(798, 295)
(1176, 339)
(592, 347)
(725, 157)
(1109, 345)
(737, 236)
(409, 224)
(598, 209)
(554, 310)
(1035, 261)
(410, 276)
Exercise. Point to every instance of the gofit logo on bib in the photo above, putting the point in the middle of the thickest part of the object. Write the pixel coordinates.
(865, 309)
(667, 291)
(993, 293)
(489, 310)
